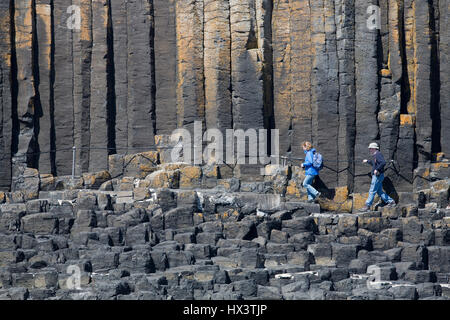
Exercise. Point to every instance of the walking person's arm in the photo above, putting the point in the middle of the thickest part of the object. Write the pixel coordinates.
(308, 160)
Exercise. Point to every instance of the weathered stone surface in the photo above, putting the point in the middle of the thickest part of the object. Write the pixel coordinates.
(444, 37)
(5, 97)
(44, 40)
(82, 61)
(422, 101)
(366, 80)
(40, 223)
(94, 181)
(325, 91)
(246, 67)
(99, 117)
(326, 71)
(345, 36)
(141, 75)
(119, 19)
(335, 74)
(190, 62)
(63, 88)
(217, 64)
(26, 90)
(27, 183)
(165, 65)
(438, 258)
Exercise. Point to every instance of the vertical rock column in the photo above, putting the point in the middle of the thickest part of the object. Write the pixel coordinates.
(390, 104)
(422, 80)
(292, 68)
(408, 26)
(63, 87)
(391, 76)
(190, 61)
(98, 156)
(165, 66)
(367, 101)
(5, 97)
(264, 9)
(281, 73)
(404, 155)
(26, 95)
(384, 32)
(246, 82)
(325, 90)
(444, 60)
(246, 67)
(44, 39)
(82, 60)
(300, 74)
(345, 36)
(396, 44)
(217, 64)
(140, 99)
(119, 18)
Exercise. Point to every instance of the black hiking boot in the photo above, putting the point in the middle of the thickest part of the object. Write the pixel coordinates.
(391, 204)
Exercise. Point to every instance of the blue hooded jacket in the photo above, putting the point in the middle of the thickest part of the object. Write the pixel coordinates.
(308, 164)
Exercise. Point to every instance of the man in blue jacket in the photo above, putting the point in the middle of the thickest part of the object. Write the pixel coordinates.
(310, 171)
(376, 185)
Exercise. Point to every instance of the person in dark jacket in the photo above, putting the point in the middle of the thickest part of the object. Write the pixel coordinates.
(310, 171)
(378, 163)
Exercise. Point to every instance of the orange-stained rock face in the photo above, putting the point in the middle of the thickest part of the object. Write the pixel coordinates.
(190, 177)
(407, 120)
(137, 70)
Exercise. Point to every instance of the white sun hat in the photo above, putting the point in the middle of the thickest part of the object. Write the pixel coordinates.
(374, 145)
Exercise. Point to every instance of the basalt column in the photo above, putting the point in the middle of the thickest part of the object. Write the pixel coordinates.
(98, 155)
(246, 67)
(141, 108)
(246, 75)
(165, 66)
(444, 62)
(281, 73)
(264, 9)
(345, 36)
(217, 64)
(5, 96)
(63, 85)
(366, 79)
(325, 90)
(292, 68)
(82, 61)
(300, 75)
(26, 94)
(404, 152)
(44, 110)
(119, 21)
(391, 77)
(422, 80)
(190, 62)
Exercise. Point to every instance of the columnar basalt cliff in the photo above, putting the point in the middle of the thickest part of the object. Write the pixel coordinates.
(108, 76)
(115, 78)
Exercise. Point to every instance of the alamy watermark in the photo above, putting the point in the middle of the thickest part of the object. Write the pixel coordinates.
(235, 147)
(374, 20)
(74, 21)
(73, 282)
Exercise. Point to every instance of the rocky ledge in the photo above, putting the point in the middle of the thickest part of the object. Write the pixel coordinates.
(146, 230)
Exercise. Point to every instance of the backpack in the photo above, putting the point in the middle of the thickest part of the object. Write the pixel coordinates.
(318, 161)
